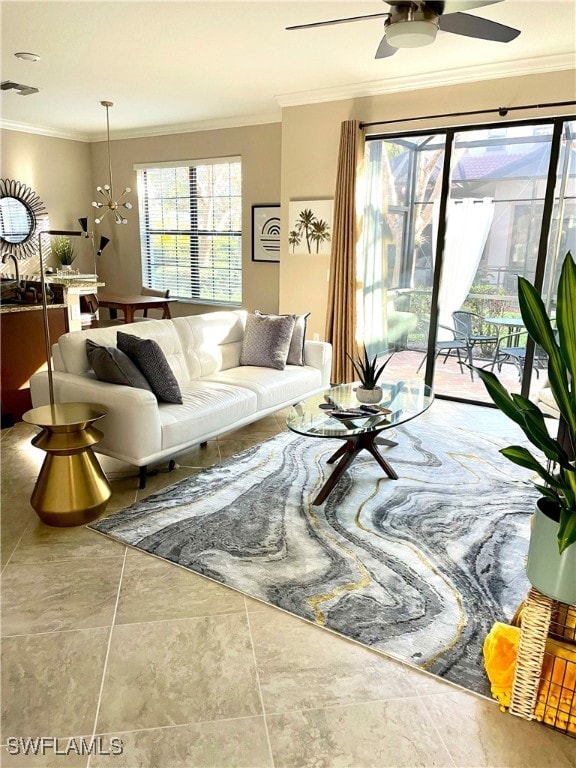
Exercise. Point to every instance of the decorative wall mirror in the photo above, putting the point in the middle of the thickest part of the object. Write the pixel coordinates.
(21, 211)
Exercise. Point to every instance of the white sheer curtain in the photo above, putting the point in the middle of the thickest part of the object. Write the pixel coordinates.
(372, 250)
(468, 223)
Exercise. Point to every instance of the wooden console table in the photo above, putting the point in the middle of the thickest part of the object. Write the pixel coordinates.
(130, 303)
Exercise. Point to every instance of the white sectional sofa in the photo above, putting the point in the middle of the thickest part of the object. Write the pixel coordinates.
(203, 352)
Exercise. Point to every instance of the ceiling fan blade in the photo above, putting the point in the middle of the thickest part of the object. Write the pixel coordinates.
(338, 21)
(475, 26)
(454, 6)
(385, 49)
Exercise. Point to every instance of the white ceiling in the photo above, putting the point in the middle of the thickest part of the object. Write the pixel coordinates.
(173, 66)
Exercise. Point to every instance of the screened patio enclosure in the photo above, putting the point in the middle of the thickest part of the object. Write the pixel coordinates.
(450, 219)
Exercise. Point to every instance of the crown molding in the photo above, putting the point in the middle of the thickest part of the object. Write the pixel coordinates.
(42, 130)
(240, 121)
(461, 75)
(520, 67)
(142, 133)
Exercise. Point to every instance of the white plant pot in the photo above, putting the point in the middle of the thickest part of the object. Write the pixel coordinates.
(552, 573)
(369, 396)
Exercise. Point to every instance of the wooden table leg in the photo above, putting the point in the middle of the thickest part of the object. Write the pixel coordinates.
(347, 453)
(339, 470)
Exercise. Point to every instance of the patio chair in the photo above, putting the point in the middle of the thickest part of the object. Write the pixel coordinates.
(506, 352)
(474, 327)
(458, 344)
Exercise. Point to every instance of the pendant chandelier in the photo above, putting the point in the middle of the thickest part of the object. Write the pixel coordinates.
(107, 191)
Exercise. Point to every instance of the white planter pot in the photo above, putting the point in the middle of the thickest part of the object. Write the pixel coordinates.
(369, 396)
(552, 573)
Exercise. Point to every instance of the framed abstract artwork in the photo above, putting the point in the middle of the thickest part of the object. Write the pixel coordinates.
(266, 232)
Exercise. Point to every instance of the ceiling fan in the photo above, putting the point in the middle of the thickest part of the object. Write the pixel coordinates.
(412, 23)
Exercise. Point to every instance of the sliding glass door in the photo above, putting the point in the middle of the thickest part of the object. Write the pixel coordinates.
(443, 250)
(402, 188)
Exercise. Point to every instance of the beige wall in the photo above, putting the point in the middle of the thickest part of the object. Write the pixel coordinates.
(310, 139)
(259, 148)
(65, 173)
(58, 171)
(280, 162)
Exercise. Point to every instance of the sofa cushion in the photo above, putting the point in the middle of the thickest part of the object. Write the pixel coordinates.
(208, 407)
(273, 387)
(151, 361)
(112, 365)
(296, 350)
(267, 340)
(212, 341)
(72, 356)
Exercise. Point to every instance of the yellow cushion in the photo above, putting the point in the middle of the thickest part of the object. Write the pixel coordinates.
(500, 651)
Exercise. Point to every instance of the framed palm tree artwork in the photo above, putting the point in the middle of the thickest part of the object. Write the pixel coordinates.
(310, 226)
(266, 232)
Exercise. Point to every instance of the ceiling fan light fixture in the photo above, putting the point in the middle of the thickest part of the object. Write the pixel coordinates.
(411, 34)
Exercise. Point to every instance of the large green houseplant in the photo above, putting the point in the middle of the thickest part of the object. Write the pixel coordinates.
(559, 472)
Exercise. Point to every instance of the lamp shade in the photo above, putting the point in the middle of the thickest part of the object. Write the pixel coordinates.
(103, 243)
(83, 224)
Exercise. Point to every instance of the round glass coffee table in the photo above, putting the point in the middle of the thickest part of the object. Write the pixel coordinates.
(401, 402)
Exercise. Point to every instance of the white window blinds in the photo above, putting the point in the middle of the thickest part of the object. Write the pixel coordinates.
(191, 229)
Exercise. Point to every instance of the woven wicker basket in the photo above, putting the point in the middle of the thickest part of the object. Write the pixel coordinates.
(544, 686)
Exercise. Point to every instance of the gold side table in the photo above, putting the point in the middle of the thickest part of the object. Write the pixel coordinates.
(71, 488)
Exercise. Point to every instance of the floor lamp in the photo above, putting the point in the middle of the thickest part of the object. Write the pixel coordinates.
(62, 233)
(71, 488)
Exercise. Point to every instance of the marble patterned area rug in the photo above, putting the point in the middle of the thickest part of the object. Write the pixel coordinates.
(418, 568)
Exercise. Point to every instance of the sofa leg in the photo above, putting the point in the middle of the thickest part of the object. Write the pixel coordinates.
(171, 465)
(142, 477)
(203, 445)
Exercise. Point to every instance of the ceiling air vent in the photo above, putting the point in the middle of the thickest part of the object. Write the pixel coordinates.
(23, 90)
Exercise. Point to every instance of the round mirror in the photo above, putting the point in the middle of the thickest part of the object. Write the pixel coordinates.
(21, 211)
(16, 222)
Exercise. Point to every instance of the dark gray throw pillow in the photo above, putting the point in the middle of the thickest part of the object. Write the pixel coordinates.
(296, 351)
(151, 361)
(267, 340)
(112, 365)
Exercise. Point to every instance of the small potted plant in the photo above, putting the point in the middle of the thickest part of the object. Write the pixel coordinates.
(368, 372)
(63, 251)
(551, 566)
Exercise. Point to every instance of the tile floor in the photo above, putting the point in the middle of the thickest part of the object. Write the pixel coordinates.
(100, 640)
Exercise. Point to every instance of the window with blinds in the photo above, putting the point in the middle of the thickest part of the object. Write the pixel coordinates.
(191, 229)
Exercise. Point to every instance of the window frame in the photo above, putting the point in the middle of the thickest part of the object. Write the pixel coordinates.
(194, 233)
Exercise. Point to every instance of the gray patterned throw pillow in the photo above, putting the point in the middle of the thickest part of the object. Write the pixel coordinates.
(151, 361)
(296, 351)
(114, 366)
(267, 340)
